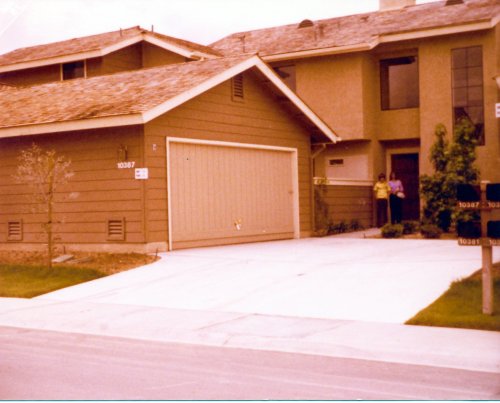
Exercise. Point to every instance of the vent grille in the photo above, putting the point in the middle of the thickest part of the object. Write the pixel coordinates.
(116, 229)
(306, 24)
(238, 93)
(15, 230)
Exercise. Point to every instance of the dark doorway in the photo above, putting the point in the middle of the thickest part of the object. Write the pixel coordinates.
(406, 168)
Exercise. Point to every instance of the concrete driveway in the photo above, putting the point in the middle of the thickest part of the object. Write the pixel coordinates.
(373, 280)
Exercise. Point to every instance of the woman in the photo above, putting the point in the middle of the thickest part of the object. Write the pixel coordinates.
(396, 199)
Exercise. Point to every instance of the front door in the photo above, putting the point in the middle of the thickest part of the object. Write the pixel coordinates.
(406, 168)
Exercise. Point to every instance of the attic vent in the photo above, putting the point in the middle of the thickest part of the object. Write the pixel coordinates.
(116, 229)
(306, 23)
(238, 93)
(15, 230)
(453, 2)
(336, 162)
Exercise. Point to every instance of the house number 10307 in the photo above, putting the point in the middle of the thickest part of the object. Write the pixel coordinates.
(125, 164)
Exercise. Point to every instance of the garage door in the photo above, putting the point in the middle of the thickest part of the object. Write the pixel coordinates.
(223, 193)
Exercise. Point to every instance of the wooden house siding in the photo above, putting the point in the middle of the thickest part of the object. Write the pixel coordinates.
(99, 191)
(37, 75)
(155, 56)
(214, 116)
(347, 203)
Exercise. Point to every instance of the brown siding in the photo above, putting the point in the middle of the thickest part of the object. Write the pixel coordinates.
(213, 116)
(155, 56)
(98, 191)
(348, 203)
(129, 58)
(38, 75)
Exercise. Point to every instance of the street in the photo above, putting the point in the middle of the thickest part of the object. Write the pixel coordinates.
(51, 365)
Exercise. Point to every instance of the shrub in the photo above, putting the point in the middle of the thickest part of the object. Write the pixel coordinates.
(392, 231)
(410, 227)
(355, 225)
(430, 231)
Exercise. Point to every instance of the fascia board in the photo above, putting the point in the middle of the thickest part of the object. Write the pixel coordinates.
(200, 89)
(440, 31)
(320, 52)
(175, 49)
(385, 38)
(299, 103)
(72, 57)
(57, 127)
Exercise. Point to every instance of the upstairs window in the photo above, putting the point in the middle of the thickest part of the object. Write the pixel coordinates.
(73, 70)
(467, 87)
(399, 83)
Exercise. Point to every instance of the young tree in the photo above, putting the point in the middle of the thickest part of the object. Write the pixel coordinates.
(43, 171)
(453, 164)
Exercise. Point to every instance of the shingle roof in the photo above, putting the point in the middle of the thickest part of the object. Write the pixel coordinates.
(117, 94)
(92, 43)
(356, 29)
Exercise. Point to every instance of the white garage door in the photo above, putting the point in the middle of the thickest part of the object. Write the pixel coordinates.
(222, 193)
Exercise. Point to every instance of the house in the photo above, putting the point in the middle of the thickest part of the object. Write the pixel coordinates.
(172, 146)
(176, 144)
(383, 81)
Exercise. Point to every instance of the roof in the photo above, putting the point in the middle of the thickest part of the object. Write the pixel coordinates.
(362, 31)
(133, 97)
(95, 46)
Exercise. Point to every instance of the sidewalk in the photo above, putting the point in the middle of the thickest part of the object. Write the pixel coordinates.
(338, 296)
(442, 347)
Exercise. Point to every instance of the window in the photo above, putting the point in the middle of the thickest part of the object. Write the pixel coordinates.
(73, 70)
(287, 74)
(467, 87)
(399, 83)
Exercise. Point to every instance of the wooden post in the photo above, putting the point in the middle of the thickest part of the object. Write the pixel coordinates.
(486, 254)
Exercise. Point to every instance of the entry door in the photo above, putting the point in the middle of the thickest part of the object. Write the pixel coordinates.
(407, 170)
(221, 194)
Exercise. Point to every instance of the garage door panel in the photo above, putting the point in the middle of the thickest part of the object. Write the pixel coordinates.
(219, 192)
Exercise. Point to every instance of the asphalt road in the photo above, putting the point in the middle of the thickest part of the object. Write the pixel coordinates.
(50, 365)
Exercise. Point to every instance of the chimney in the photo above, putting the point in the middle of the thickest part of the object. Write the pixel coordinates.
(385, 5)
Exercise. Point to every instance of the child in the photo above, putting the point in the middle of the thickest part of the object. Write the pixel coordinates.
(382, 191)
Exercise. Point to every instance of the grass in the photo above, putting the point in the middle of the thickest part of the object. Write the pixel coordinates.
(21, 281)
(25, 275)
(461, 306)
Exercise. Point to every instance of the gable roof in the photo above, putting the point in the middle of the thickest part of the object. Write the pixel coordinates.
(98, 45)
(134, 97)
(362, 31)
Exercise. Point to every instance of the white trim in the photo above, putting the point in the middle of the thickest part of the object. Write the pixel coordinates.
(439, 31)
(344, 182)
(384, 38)
(254, 61)
(159, 110)
(294, 167)
(42, 128)
(105, 51)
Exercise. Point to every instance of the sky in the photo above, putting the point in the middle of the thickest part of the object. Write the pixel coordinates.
(26, 23)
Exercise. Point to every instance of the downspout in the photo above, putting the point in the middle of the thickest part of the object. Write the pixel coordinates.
(311, 167)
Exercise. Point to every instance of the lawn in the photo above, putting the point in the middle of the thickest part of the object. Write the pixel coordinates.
(461, 306)
(24, 275)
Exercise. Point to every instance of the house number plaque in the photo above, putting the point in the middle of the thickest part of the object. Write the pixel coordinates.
(125, 164)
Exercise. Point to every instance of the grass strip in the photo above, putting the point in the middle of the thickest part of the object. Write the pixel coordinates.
(23, 281)
(461, 306)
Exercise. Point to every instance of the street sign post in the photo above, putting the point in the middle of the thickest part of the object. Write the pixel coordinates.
(484, 233)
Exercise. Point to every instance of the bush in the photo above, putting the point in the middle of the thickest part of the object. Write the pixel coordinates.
(339, 228)
(392, 231)
(355, 225)
(430, 231)
(410, 227)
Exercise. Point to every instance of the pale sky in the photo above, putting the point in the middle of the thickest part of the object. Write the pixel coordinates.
(33, 22)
